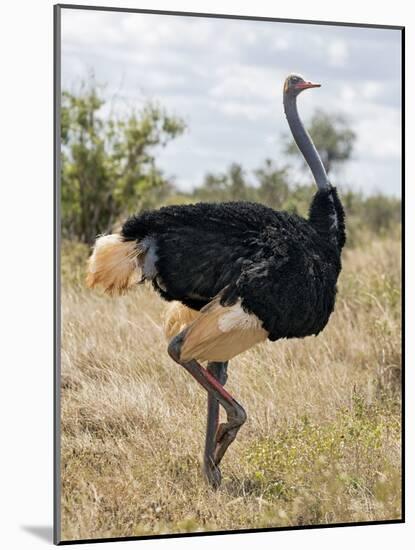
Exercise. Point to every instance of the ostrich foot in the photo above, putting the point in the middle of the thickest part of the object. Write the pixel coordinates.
(212, 473)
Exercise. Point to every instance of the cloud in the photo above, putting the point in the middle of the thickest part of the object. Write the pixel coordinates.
(338, 53)
(225, 78)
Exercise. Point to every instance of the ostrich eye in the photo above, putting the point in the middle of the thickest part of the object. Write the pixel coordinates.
(294, 79)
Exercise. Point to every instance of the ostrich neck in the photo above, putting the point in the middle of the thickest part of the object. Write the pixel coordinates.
(304, 142)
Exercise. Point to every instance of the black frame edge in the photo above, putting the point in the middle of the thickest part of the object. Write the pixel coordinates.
(235, 531)
(56, 279)
(228, 16)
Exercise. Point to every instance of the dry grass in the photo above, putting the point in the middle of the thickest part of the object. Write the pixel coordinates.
(322, 440)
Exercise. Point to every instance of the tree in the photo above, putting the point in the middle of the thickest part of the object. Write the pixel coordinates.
(239, 188)
(332, 136)
(213, 188)
(273, 188)
(108, 163)
(381, 213)
(229, 186)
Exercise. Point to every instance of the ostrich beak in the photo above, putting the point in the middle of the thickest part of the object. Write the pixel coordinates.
(306, 85)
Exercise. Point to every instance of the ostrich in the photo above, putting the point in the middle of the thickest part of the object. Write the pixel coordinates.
(236, 273)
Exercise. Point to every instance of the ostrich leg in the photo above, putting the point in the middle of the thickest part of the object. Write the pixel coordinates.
(235, 413)
(212, 472)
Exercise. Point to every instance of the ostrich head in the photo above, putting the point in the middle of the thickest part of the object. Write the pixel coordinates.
(295, 83)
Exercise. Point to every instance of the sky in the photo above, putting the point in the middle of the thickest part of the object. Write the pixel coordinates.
(224, 78)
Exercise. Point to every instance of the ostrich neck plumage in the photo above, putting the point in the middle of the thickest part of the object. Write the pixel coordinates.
(304, 142)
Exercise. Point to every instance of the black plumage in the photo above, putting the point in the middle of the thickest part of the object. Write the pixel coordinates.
(283, 267)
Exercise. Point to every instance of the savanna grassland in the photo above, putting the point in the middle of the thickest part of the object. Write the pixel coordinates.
(322, 443)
